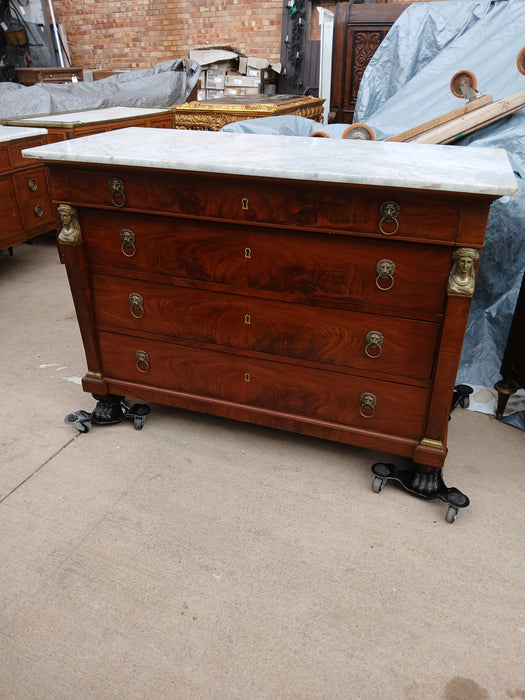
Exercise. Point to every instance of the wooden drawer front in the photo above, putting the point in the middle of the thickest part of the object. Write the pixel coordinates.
(302, 391)
(179, 248)
(9, 218)
(31, 184)
(324, 206)
(321, 335)
(15, 151)
(337, 267)
(163, 122)
(304, 266)
(37, 213)
(5, 164)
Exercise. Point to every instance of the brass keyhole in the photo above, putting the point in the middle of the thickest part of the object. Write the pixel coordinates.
(247, 319)
(247, 377)
(247, 253)
(244, 203)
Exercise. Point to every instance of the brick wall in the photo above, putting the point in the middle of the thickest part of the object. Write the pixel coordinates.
(139, 33)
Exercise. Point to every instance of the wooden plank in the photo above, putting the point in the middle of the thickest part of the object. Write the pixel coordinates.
(446, 133)
(444, 118)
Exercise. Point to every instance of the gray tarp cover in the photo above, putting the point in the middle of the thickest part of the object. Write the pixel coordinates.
(168, 83)
(407, 83)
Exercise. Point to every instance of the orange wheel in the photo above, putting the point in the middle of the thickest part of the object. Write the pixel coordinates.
(359, 131)
(463, 79)
(320, 135)
(521, 61)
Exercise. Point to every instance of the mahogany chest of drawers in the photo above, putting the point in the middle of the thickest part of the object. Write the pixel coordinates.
(313, 285)
(26, 208)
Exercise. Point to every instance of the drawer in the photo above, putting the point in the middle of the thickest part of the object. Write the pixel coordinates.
(349, 339)
(30, 184)
(389, 274)
(302, 266)
(179, 248)
(38, 213)
(8, 211)
(288, 203)
(161, 122)
(5, 164)
(328, 396)
(15, 151)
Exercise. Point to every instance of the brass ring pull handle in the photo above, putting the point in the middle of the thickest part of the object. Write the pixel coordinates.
(116, 187)
(368, 405)
(128, 243)
(32, 184)
(142, 361)
(137, 305)
(389, 212)
(385, 274)
(374, 344)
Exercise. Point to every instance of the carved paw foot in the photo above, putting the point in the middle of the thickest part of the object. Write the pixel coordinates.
(109, 408)
(426, 480)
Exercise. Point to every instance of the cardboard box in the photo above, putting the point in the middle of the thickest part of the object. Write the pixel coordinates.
(214, 94)
(258, 63)
(223, 66)
(240, 91)
(215, 79)
(238, 80)
(207, 57)
(243, 65)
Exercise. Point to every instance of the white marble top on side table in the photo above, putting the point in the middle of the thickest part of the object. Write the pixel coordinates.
(13, 133)
(90, 116)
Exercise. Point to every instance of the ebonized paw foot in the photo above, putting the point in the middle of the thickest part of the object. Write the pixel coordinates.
(110, 409)
(422, 481)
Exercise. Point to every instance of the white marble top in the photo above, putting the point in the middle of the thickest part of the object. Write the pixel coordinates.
(89, 116)
(12, 133)
(384, 164)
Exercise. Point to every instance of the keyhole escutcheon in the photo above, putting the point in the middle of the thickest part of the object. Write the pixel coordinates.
(244, 203)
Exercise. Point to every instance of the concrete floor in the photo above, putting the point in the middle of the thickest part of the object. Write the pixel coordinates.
(206, 559)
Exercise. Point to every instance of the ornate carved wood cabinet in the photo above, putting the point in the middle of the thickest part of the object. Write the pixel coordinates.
(26, 209)
(313, 285)
(358, 31)
(216, 113)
